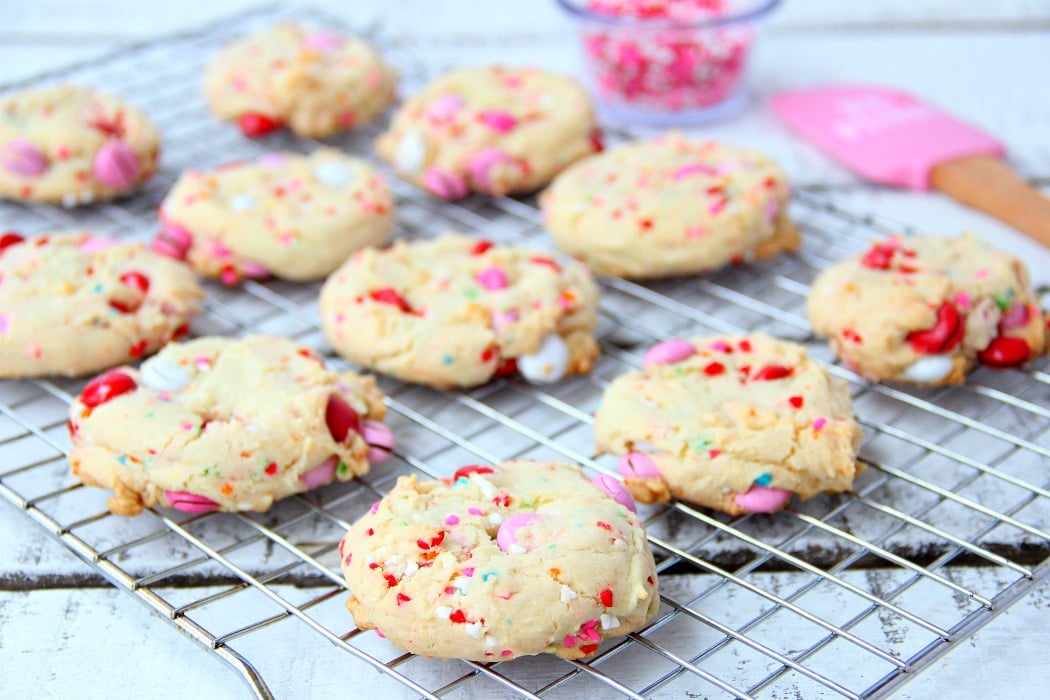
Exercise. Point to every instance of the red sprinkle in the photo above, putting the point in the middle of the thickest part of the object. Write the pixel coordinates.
(370, 532)
(544, 260)
(879, 257)
(597, 140)
(604, 525)
(471, 469)
(389, 295)
(714, 369)
(606, 597)
(772, 372)
(138, 349)
(391, 581)
(9, 239)
(136, 280)
(106, 387)
(253, 124)
(508, 365)
(458, 616)
(745, 345)
(481, 247)
(945, 334)
(437, 539)
(487, 354)
(589, 648)
(852, 336)
(402, 598)
(796, 401)
(1005, 351)
(271, 469)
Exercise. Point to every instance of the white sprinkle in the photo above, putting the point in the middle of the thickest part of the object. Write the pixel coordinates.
(163, 375)
(243, 202)
(380, 552)
(69, 200)
(442, 611)
(370, 558)
(392, 560)
(491, 642)
(333, 174)
(87, 197)
(474, 630)
(460, 584)
(496, 519)
(516, 549)
(244, 506)
(568, 595)
(411, 152)
(609, 622)
(411, 568)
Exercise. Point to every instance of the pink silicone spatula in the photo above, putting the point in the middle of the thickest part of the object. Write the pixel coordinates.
(891, 138)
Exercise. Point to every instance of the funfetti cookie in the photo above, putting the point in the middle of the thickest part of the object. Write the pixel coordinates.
(927, 309)
(491, 129)
(738, 424)
(314, 82)
(229, 424)
(499, 562)
(76, 303)
(288, 215)
(72, 145)
(670, 206)
(455, 311)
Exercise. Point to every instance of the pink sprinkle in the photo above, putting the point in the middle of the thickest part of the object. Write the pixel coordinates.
(374, 509)
(506, 652)
(693, 169)
(717, 206)
(713, 453)
(452, 520)
(819, 423)
(474, 511)
(721, 346)
(772, 209)
(505, 318)
(493, 279)
(3, 323)
(694, 232)
(469, 571)
(323, 41)
(187, 426)
(962, 300)
(285, 239)
(569, 641)
(380, 634)
(981, 274)
(449, 590)
(498, 120)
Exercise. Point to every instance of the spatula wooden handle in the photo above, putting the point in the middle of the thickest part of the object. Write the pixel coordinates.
(989, 184)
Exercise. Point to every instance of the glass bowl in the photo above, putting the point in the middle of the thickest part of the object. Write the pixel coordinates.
(668, 62)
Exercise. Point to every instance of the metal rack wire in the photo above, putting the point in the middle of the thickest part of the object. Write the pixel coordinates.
(753, 605)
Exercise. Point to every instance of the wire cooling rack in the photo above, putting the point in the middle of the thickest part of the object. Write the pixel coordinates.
(845, 595)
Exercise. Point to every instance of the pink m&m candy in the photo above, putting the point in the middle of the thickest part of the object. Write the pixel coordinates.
(380, 440)
(638, 465)
(23, 158)
(320, 475)
(190, 502)
(507, 535)
(116, 165)
(444, 184)
(762, 499)
(669, 352)
(615, 490)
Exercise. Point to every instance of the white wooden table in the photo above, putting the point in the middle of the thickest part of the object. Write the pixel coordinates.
(984, 61)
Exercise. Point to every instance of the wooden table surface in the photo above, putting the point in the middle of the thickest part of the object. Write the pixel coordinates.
(983, 61)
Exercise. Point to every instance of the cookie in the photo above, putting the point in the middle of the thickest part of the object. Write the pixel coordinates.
(491, 129)
(288, 215)
(316, 83)
(76, 303)
(455, 311)
(737, 424)
(229, 424)
(72, 145)
(927, 309)
(499, 562)
(670, 206)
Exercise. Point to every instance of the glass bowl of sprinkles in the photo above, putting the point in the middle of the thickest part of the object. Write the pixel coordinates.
(668, 62)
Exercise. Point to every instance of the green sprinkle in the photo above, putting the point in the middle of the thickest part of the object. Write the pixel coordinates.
(342, 469)
(699, 444)
(471, 293)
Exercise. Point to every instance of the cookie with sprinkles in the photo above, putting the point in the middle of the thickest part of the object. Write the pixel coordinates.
(928, 309)
(316, 83)
(72, 145)
(455, 311)
(670, 206)
(492, 129)
(498, 562)
(76, 303)
(737, 424)
(229, 424)
(284, 214)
